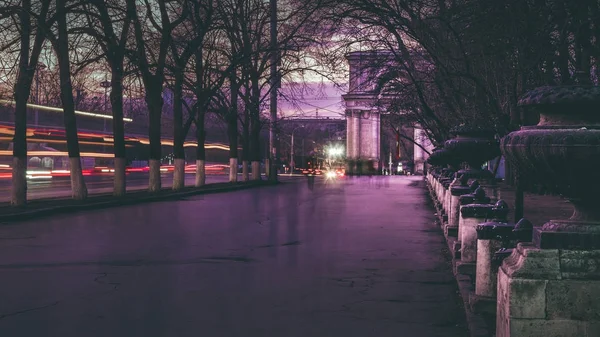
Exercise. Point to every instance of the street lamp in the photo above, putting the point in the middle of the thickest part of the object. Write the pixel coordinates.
(335, 151)
(292, 161)
(105, 84)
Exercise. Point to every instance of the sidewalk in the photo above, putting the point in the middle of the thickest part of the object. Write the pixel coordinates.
(354, 257)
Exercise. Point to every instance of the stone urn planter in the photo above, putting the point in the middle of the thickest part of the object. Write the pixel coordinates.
(474, 146)
(444, 157)
(558, 274)
(563, 150)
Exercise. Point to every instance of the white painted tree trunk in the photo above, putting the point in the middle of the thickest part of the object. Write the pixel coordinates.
(245, 173)
(19, 182)
(154, 183)
(78, 188)
(255, 170)
(120, 184)
(200, 173)
(233, 168)
(179, 175)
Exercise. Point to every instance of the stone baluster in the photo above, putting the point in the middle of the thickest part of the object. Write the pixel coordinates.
(477, 196)
(471, 215)
(445, 191)
(440, 193)
(448, 195)
(440, 186)
(491, 236)
(435, 177)
(458, 188)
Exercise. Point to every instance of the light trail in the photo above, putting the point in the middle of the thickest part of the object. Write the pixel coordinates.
(58, 141)
(77, 112)
(108, 171)
(59, 154)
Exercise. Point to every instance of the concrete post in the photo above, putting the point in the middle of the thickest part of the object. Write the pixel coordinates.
(491, 236)
(459, 188)
(474, 209)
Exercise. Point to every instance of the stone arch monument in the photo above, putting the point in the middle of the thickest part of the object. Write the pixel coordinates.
(363, 116)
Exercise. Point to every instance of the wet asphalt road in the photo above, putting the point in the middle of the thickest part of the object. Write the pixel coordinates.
(355, 257)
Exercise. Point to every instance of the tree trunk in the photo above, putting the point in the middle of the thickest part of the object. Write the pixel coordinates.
(232, 132)
(246, 146)
(179, 174)
(19, 180)
(200, 150)
(255, 170)
(178, 150)
(78, 188)
(22, 91)
(116, 100)
(200, 173)
(245, 172)
(255, 137)
(155, 102)
(233, 169)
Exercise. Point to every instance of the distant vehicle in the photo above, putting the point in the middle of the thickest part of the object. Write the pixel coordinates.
(312, 172)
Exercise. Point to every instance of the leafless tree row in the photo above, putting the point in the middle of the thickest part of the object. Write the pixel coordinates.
(213, 55)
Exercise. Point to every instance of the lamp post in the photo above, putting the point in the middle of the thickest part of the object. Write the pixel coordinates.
(105, 84)
(292, 161)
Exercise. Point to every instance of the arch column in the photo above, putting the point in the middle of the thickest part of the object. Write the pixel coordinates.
(419, 155)
(350, 135)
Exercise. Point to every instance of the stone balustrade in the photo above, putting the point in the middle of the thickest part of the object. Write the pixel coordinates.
(472, 215)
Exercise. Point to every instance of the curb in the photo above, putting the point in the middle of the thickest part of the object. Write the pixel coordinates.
(477, 324)
(137, 197)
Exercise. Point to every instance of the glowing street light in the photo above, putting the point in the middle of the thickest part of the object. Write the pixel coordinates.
(335, 151)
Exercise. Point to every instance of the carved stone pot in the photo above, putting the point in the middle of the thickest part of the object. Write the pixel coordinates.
(550, 287)
(563, 150)
(444, 157)
(474, 146)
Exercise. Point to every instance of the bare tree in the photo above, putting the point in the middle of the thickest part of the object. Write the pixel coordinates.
(110, 27)
(210, 74)
(151, 58)
(248, 33)
(183, 48)
(60, 42)
(28, 61)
